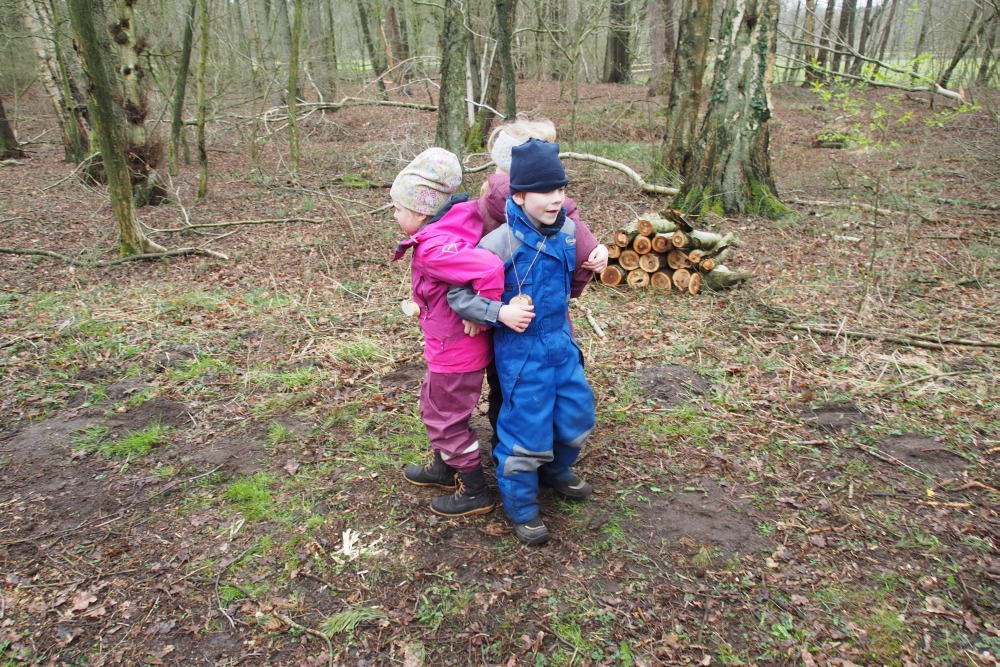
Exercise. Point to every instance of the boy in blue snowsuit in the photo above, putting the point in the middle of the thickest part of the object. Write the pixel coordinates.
(548, 409)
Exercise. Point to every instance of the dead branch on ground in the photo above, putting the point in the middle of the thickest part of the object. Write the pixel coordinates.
(179, 252)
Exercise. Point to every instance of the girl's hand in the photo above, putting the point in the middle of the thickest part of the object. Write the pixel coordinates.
(516, 317)
(471, 328)
(598, 260)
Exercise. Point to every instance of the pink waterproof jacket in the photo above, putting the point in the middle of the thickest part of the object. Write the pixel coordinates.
(445, 254)
(493, 204)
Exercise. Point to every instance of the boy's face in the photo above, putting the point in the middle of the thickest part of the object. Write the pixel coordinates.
(542, 208)
(409, 221)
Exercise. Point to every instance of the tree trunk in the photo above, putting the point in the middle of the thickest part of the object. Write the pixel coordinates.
(845, 32)
(479, 133)
(731, 171)
(686, 84)
(74, 121)
(661, 44)
(617, 63)
(293, 94)
(9, 146)
(202, 64)
(809, 35)
(964, 44)
(451, 99)
(884, 41)
(983, 76)
(866, 27)
(283, 29)
(922, 39)
(85, 15)
(395, 34)
(177, 119)
(506, 11)
(134, 100)
(374, 53)
(824, 38)
(331, 53)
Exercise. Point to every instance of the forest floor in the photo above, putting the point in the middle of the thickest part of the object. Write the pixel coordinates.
(200, 459)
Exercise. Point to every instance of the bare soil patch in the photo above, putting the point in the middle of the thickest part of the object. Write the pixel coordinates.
(672, 384)
(835, 417)
(924, 453)
(705, 514)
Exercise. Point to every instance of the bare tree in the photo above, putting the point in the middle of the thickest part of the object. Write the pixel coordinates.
(617, 60)
(690, 60)
(202, 101)
(451, 101)
(85, 15)
(731, 167)
(661, 45)
(70, 108)
(177, 112)
(9, 146)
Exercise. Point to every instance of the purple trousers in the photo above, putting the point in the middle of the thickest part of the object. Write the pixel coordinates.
(446, 403)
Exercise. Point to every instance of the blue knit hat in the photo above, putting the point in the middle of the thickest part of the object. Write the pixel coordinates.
(535, 167)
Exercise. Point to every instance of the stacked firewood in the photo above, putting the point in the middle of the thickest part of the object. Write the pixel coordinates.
(666, 252)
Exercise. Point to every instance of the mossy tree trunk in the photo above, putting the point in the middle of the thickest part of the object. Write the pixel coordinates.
(731, 170)
(177, 115)
(202, 63)
(293, 94)
(823, 55)
(686, 84)
(70, 107)
(85, 16)
(506, 12)
(9, 146)
(451, 100)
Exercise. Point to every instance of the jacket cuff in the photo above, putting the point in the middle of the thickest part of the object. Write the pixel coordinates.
(493, 312)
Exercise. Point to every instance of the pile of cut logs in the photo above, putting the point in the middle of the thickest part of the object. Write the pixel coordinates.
(665, 251)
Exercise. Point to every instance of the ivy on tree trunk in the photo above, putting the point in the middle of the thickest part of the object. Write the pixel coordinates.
(731, 170)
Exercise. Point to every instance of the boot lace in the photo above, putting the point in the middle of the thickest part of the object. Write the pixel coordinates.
(460, 491)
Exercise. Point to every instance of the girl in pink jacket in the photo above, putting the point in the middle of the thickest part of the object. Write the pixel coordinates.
(443, 229)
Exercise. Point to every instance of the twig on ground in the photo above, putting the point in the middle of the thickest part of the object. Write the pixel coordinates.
(180, 252)
(284, 619)
(916, 340)
(888, 458)
(84, 163)
(234, 223)
(590, 318)
(918, 380)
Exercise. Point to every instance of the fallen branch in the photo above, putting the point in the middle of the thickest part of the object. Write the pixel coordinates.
(180, 252)
(235, 223)
(632, 173)
(836, 204)
(967, 204)
(916, 340)
(590, 318)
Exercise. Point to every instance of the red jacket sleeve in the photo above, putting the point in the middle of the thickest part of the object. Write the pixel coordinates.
(458, 263)
(585, 244)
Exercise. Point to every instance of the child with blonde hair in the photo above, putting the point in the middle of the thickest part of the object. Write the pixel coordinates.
(591, 256)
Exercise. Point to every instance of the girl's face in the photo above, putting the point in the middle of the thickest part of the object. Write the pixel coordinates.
(409, 221)
(542, 208)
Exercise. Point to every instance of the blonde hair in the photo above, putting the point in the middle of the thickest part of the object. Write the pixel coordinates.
(525, 128)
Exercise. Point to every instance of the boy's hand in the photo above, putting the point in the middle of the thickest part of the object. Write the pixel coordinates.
(471, 328)
(516, 317)
(598, 260)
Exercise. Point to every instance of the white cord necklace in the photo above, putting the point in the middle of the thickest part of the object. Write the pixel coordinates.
(521, 299)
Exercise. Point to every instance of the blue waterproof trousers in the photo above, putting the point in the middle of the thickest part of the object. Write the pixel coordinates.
(546, 418)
